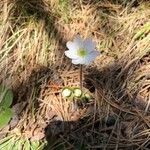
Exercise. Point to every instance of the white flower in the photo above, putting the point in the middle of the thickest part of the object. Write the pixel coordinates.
(81, 51)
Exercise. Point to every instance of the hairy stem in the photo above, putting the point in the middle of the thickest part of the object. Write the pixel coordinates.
(81, 82)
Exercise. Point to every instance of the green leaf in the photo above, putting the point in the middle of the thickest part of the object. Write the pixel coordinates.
(4, 140)
(11, 143)
(141, 33)
(26, 145)
(18, 144)
(6, 96)
(35, 145)
(5, 116)
(4, 145)
(42, 145)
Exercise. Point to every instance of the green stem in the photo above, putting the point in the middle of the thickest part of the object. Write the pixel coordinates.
(81, 82)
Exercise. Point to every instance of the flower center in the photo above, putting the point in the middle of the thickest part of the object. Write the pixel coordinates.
(81, 52)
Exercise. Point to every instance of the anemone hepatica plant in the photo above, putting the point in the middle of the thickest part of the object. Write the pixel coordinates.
(81, 51)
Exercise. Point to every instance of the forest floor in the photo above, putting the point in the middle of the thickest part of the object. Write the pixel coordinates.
(33, 37)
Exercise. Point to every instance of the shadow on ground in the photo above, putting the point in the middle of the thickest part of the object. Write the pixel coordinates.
(41, 11)
(107, 124)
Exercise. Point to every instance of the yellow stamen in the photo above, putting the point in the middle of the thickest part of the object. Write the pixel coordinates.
(81, 52)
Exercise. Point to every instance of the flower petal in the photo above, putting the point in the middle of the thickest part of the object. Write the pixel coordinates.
(71, 54)
(79, 60)
(86, 60)
(89, 44)
(72, 46)
(78, 41)
(91, 57)
(76, 61)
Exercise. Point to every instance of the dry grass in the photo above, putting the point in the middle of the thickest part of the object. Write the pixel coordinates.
(33, 36)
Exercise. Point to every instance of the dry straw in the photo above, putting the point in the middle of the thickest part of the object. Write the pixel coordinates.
(33, 36)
